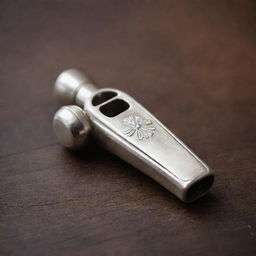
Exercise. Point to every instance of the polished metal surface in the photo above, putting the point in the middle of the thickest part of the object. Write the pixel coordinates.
(67, 87)
(124, 127)
(71, 126)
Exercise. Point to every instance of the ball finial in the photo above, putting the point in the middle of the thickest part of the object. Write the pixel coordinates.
(71, 126)
(69, 83)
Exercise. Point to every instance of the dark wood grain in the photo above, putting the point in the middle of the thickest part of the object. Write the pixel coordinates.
(192, 63)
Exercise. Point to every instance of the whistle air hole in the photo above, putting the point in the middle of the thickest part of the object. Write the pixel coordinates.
(199, 188)
(114, 107)
(102, 97)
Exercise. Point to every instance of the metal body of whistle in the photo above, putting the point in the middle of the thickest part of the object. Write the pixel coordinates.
(124, 127)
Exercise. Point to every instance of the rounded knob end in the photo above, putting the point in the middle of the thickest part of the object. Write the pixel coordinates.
(68, 84)
(71, 126)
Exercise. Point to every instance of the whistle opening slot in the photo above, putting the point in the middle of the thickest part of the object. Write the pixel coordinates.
(102, 97)
(114, 107)
(199, 188)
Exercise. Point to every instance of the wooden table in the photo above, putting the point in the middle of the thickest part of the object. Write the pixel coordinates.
(192, 63)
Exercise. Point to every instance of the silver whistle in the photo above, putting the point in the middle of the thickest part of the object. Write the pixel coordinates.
(124, 127)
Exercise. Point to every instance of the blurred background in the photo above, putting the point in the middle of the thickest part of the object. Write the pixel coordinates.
(191, 63)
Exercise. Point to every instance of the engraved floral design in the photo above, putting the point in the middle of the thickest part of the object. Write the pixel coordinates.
(136, 125)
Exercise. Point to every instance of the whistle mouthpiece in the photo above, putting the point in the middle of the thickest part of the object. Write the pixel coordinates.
(122, 126)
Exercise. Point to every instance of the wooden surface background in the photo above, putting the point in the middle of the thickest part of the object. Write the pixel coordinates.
(192, 63)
